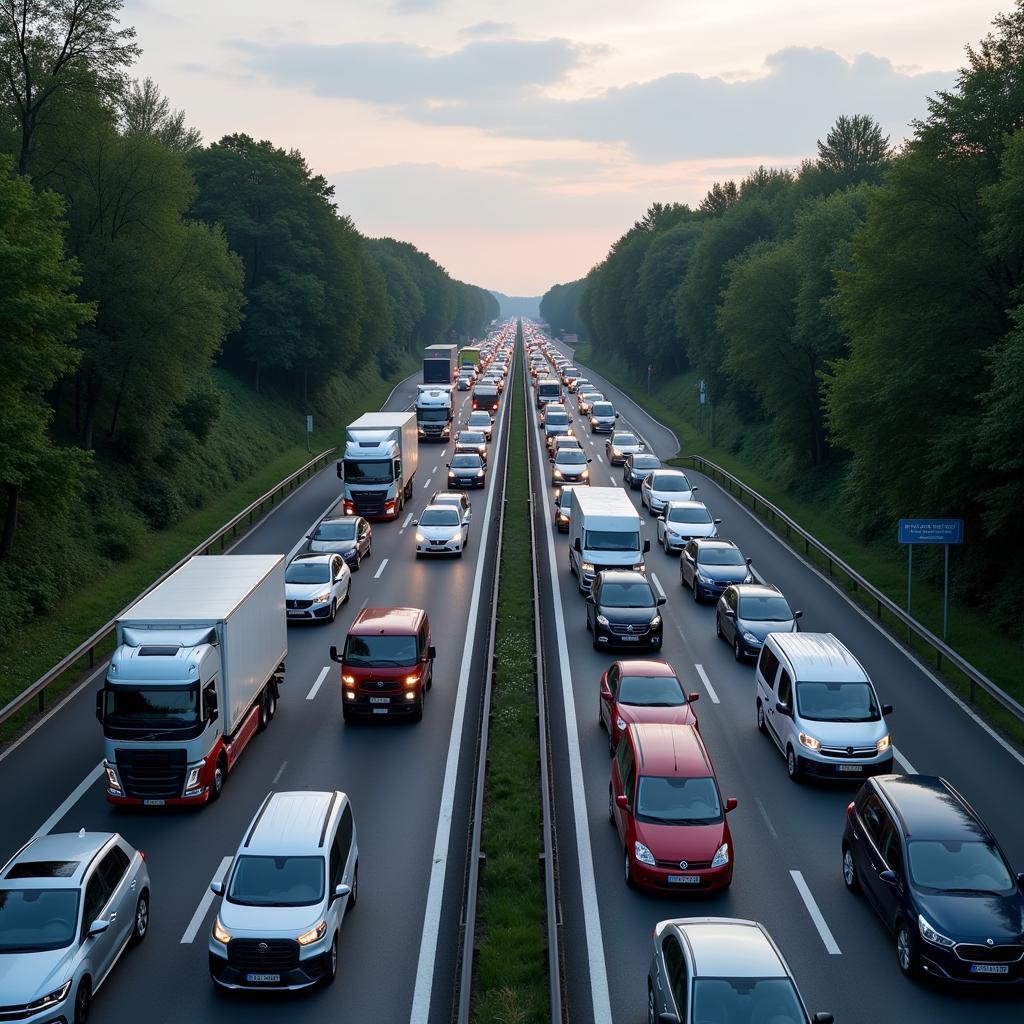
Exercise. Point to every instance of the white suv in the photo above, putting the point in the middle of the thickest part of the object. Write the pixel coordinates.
(287, 890)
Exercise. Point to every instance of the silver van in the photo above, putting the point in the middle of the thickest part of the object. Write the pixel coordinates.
(286, 893)
(816, 702)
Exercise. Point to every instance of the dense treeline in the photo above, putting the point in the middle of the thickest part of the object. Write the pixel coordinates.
(135, 259)
(558, 307)
(864, 312)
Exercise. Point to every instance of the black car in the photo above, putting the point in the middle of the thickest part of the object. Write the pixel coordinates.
(467, 469)
(709, 566)
(622, 610)
(936, 876)
(748, 612)
(637, 466)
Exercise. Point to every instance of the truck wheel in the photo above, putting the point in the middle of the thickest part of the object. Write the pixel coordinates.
(264, 711)
(219, 774)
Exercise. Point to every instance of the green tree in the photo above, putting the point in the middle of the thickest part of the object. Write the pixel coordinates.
(855, 149)
(146, 111)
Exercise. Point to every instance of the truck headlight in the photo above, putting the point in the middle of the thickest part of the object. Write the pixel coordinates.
(318, 931)
(883, 744)
(721, 857)
(113, 782)
(929, 934)
(643, 855)
(587, 567)
(809, 741)
(192, 782)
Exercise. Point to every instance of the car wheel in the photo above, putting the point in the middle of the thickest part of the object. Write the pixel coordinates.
(737, 650)
(353, 896)
(83, 1001)
(760, 718)
(141, 928)
(906, 950)
(334, 611)
(417, 715)
(718, 626)
(850, 870)
(696, 591)
(332, 962)
(359, 561)
(588, 622)
(630, 883)
(650, 1003)
(792, 765)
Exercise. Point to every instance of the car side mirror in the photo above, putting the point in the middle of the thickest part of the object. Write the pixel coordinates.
(731, 804)
(888, 876)
(341, 471)
(465, 522)
(886, 709)
(576, 546)
(749, 561)
(415, 522)
(335, 656)
(647, 546)
(661, 519)
(782, 709)
(695, 488)
(431, 652)
(606, 695)
(798, 614)
(728, 613)
(718, 522)
(342, 890)
(217, 888)
(99, 926)
(668, 1018)
(447, 465)
(661, 601)
(589, 461)
(823, 1017)
(621, 801)
(1020, 880)
(589, 598)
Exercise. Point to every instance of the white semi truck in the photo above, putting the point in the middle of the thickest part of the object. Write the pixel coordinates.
(195, 676)
(604, 533)
(434, 412)
(381, 456)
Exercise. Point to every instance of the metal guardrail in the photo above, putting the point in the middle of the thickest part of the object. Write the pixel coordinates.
(88, 648)
(839, 570)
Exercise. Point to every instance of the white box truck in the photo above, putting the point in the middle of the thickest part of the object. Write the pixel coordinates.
(195, 675)
(381, 456)
(604, 533)
(434, 412)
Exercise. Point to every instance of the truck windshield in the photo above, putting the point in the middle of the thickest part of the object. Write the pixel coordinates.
(154, 708)
(611, 540)
(547, 390)
(378, 471)
(380, 651)
(435, 414)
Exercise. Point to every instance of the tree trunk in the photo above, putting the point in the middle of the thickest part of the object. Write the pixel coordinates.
(26, 146)
(10, 521)
(257, 378)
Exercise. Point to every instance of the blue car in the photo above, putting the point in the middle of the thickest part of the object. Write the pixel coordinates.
(708, 566)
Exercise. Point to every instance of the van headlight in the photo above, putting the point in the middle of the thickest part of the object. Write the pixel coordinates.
(602, 620)
(706, 580)
(643, 855)
(220, 933)
(587, 567)
(656, 622)
(929, 934)
(809, 741)
(58, 995)
(317, 932)
(883, 744)
(721, 857)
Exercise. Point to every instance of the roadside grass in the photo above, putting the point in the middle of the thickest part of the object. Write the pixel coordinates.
(971, 633)
(510, 982)
(43, 642)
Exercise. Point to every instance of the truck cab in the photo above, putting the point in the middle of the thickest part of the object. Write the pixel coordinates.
(381, 456)
(434, 412)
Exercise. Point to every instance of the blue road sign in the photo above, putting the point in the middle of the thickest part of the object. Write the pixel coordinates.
(931, 531)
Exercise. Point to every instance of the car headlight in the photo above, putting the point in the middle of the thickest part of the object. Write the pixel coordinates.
(557, 474)
(751, 639)
(642, 854)
(585, 472)
(479, 472)
(809, 742)
(420, 539)
(883, 744)
(620, 725)
(929, 934)
(656, 621)
(51, 999)
(318, 931)
(321, 597)
(602, 620)
(721, 857)
(220, 933)
(706, 580)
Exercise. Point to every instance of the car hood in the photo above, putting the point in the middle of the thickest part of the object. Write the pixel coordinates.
(976, 918)
(570, 468)
(439, 532)
(25, 977)
(682, 842)
(689, 530)
(335, 547)
(636, 714)
(845, 734)
(669, 495)
(762, 629)
(268, 922)
(304, 591)
(624, 616)
(724, 573)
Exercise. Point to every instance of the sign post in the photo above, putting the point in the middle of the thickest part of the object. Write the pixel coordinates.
(931, 531)
(309, 429)
(650, 370)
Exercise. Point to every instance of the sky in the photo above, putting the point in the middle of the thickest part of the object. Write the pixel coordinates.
(516, 141)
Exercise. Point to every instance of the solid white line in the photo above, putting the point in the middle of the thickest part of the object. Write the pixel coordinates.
(707, 683)
(816, 916)
(280, 772)
(408, 520)
(420, 1013)
(427, 483)
(204, 904)
(902, 761)
(376, 575)
(584, 854)
(319, 682)
(72, 798)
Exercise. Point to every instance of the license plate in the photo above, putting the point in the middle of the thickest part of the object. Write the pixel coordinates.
(380, 711)
(851, 767)
(684, 879)
(293, 613)
(989, 969)
(153, 803)
(380, 700)
(629, 639)
(262, 977)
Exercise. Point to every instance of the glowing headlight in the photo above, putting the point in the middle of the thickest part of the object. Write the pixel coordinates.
(810, 742)
(721, 857)
(557, 474)
(585, 472)
(318, 931)
(656, 621)
(420, 538)
(883, 744)
(412, 680)
(929, 934)
(349, 680)
(642, 854)
(220, 933)
(321, 597)
(54, 997)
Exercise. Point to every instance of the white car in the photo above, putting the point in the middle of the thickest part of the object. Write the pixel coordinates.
(480, 419)
(663, 486)
(315, 587)
(682, 521)
(456, 499)
(441, 530)
(569, 466)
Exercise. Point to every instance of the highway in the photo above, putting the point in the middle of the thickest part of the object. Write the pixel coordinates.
(786, 835)
(409, 784)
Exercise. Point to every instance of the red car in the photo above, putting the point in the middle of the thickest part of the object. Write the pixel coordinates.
(664, 801)
(387, 665)
(642, 691)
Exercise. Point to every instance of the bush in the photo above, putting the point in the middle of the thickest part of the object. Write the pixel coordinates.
(119, 533)
(201, 408)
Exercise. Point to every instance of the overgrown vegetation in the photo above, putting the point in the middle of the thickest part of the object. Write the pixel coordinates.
(510, 986)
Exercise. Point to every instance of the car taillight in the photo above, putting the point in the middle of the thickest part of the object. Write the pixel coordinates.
(849, 808)
(142, 854)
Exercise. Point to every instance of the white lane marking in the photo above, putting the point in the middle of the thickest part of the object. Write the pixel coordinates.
(427, 484)
(376, 575)
(902, 761)
(615, 483)
(707, 683)
(767, 820)
(70, 800)
(434, 470)
(280, 772)
(599, 458)
(420, 1013)
(408, 520)
(584, 854)
(204, 904)
(319, 682)
(816, 915)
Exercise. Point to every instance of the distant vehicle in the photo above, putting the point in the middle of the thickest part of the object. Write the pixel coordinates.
(70, 903)
(570, 466)
(434, 412)
(602, 417)
(381, 457)
(556, 423)
(316, 586)
(467, 469)
(621, 444)
(292, 880)
(441, 530)
(636, 467)
(585, 400)
(664, 485)
(682, 521)
(485, 396)
(622, 610)
(387, 665)
(482, 420)
(469, 356)
(748, 612)
(548, 390)
(465, 381)
(440, 364)
(563, 504)
(708, 566)
(604, 533)
(348, 536)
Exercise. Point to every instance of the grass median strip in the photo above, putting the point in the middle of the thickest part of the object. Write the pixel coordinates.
(510, 985)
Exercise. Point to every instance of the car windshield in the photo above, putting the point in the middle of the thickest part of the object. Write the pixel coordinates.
(380, 651)
(556, 419)
(572, 457)
(153, 707)
(336, 531)
(645, 462)
(623, 440)
(957, 866)
(486, 391)
(277, 881)
(439, 517)
(670, 482)
(308, 572)
(34, 920)
(720, 556)
(479, 419)
(471, 437)
(627, 595)
(545, 389)
(466, 460)
(688, 515)
(678, 801)
(377, 471)
(837, 702)
(611, 540)
(747, 1001)
(765, 609)
(603, 409)
(650, 691)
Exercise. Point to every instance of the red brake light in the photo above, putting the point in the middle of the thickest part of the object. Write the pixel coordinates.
(142, 854)
(849, 808)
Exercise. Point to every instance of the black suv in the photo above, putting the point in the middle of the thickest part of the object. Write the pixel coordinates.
(936, 876)
(622, 610)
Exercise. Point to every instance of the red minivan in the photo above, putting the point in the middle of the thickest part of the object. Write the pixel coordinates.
(387, 665)
(663, 799)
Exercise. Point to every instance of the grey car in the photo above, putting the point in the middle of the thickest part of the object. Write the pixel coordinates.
(748, 612)
(69, 905)
(348, 536)
(637, 467)
(709, 566)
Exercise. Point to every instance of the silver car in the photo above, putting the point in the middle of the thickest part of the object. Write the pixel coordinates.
(315, 587)
(69, 905)
(682, 521)
(664, 485)
(348, 536)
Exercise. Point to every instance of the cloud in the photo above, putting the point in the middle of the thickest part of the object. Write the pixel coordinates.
(416, 6)
(488, 28)
(408, 77)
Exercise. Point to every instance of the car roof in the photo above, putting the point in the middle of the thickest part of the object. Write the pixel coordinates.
(672, 750)
(757, 590)
(339, 519)
(623, 576)
(812, 654)
(314, 556)
(644, 455)
(685, 504)
(670, 472)
(930, 807)
(387, 621)
(442, 506)
(646, 667)
(715, 542)
(78, 847)
(448, 496)
(731, 948)
(290, 824)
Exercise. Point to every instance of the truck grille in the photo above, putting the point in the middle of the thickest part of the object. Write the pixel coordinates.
(264, 954)
(381, 685)
(152, 774)
(369, 503)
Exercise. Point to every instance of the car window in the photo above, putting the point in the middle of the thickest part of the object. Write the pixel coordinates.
(675, 969)
(624, 759)
(337, 862)
(890, 848)
(96, 894)
(113, 867)
(629, 781)
(768, 666)
(785, 689)
(873, 817)
(346, 830)
(613, 679)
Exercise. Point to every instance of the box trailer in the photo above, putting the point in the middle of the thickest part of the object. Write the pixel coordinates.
(381, 457)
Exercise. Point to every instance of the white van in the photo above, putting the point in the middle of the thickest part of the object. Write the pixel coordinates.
(816, 702)
(604, 533)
